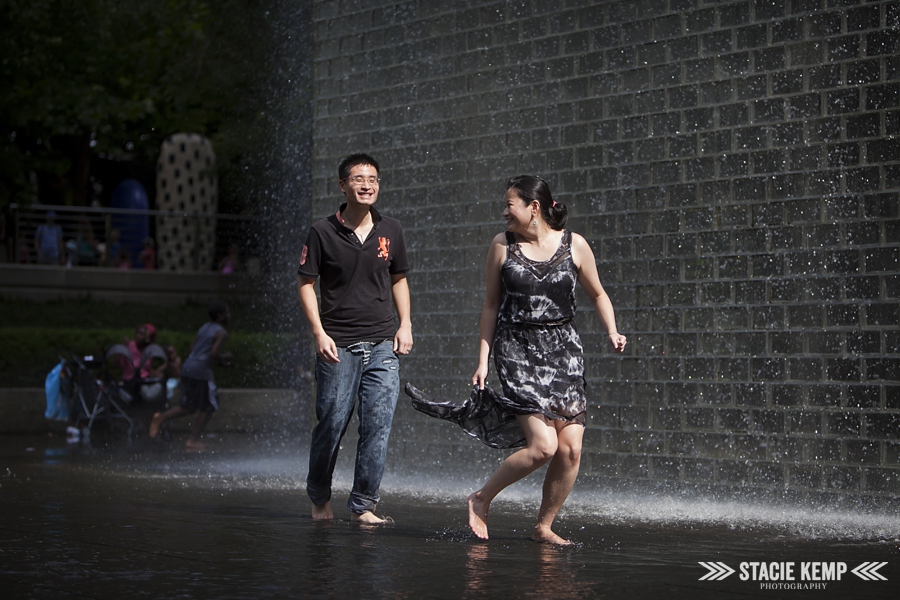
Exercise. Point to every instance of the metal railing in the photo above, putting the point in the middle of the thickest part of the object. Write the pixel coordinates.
(117, 238)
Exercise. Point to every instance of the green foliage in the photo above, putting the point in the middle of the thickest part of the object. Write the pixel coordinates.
(259, 360)
(99, 314)
(34, 336)
(112, 79)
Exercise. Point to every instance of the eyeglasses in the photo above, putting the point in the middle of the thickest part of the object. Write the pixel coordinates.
(361, 179)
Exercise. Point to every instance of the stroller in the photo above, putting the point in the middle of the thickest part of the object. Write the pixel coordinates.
(99, 394)
(93, 400)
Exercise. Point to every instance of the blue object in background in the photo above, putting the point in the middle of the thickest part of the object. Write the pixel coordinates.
(57, 402)
(132, 228)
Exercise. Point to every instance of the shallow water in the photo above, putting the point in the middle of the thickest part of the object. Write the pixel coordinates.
(151, 521)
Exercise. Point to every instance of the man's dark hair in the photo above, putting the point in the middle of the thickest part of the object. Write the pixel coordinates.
(217, 308)
(355, 160)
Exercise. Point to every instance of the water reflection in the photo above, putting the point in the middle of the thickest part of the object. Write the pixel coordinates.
(337, 557)
(373, 562)
(260, 469)
(478, 573)
(321, 568)
(234, 525)
(555, 574)
(552, 572)
(54, 456)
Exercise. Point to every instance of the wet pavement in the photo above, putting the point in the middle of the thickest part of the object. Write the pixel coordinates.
(147, 520)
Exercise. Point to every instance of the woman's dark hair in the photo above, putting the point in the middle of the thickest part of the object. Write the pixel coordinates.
(217, 308)
(355, 160)
(530, 188)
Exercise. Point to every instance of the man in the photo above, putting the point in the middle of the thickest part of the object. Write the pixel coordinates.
(359, 258)
(48, 241)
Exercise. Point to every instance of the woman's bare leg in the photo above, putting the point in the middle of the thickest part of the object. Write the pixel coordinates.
(541, 444)
(558, 483)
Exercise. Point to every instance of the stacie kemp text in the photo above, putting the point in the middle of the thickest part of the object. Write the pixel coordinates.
(787, 571)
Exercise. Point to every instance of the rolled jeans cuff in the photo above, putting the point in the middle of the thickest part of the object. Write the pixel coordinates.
(319, 494)
(360, 504)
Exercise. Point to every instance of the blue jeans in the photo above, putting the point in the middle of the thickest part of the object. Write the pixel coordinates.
(371, 372)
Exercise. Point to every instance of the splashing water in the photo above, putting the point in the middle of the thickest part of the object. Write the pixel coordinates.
(287, 472)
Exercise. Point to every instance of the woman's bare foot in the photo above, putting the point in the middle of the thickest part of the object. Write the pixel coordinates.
(322, 513)
(367, 518)
(478, 512)
(195, 446)
(155, 423)
(546, 536)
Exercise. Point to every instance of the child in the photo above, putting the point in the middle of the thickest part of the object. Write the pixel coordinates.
(111, 249)
(198, 389)
(147, 257)
(173, 372)
(123, 259)
(230, 262)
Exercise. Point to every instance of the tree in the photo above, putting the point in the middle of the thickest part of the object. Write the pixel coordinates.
(110, 79)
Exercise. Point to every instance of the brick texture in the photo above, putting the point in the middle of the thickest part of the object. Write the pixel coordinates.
(734, 165)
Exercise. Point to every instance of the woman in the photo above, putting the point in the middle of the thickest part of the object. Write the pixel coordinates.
(528, 322)
(144, 335)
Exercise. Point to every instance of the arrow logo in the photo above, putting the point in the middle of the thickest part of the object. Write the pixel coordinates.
(868, 571)
(717, 571)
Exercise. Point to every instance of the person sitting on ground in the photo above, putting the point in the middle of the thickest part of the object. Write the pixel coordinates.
(198, 388)
(144, 335)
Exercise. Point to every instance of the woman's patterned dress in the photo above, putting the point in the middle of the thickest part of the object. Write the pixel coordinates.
(537, 351)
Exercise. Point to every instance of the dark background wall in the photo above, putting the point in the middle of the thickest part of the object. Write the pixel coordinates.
(734, 165)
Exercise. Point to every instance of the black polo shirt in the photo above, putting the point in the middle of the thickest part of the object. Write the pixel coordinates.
(355, 277)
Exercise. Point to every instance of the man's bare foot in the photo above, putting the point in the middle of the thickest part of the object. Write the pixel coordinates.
(546, 536)
(322, 513)
(155, 423)
(367, 518)
(195, 446)
(478, 512)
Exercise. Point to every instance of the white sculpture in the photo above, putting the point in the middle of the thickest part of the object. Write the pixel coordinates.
(186, 183)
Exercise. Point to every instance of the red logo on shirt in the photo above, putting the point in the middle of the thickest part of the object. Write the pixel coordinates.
(303, 255)
(384, 247)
